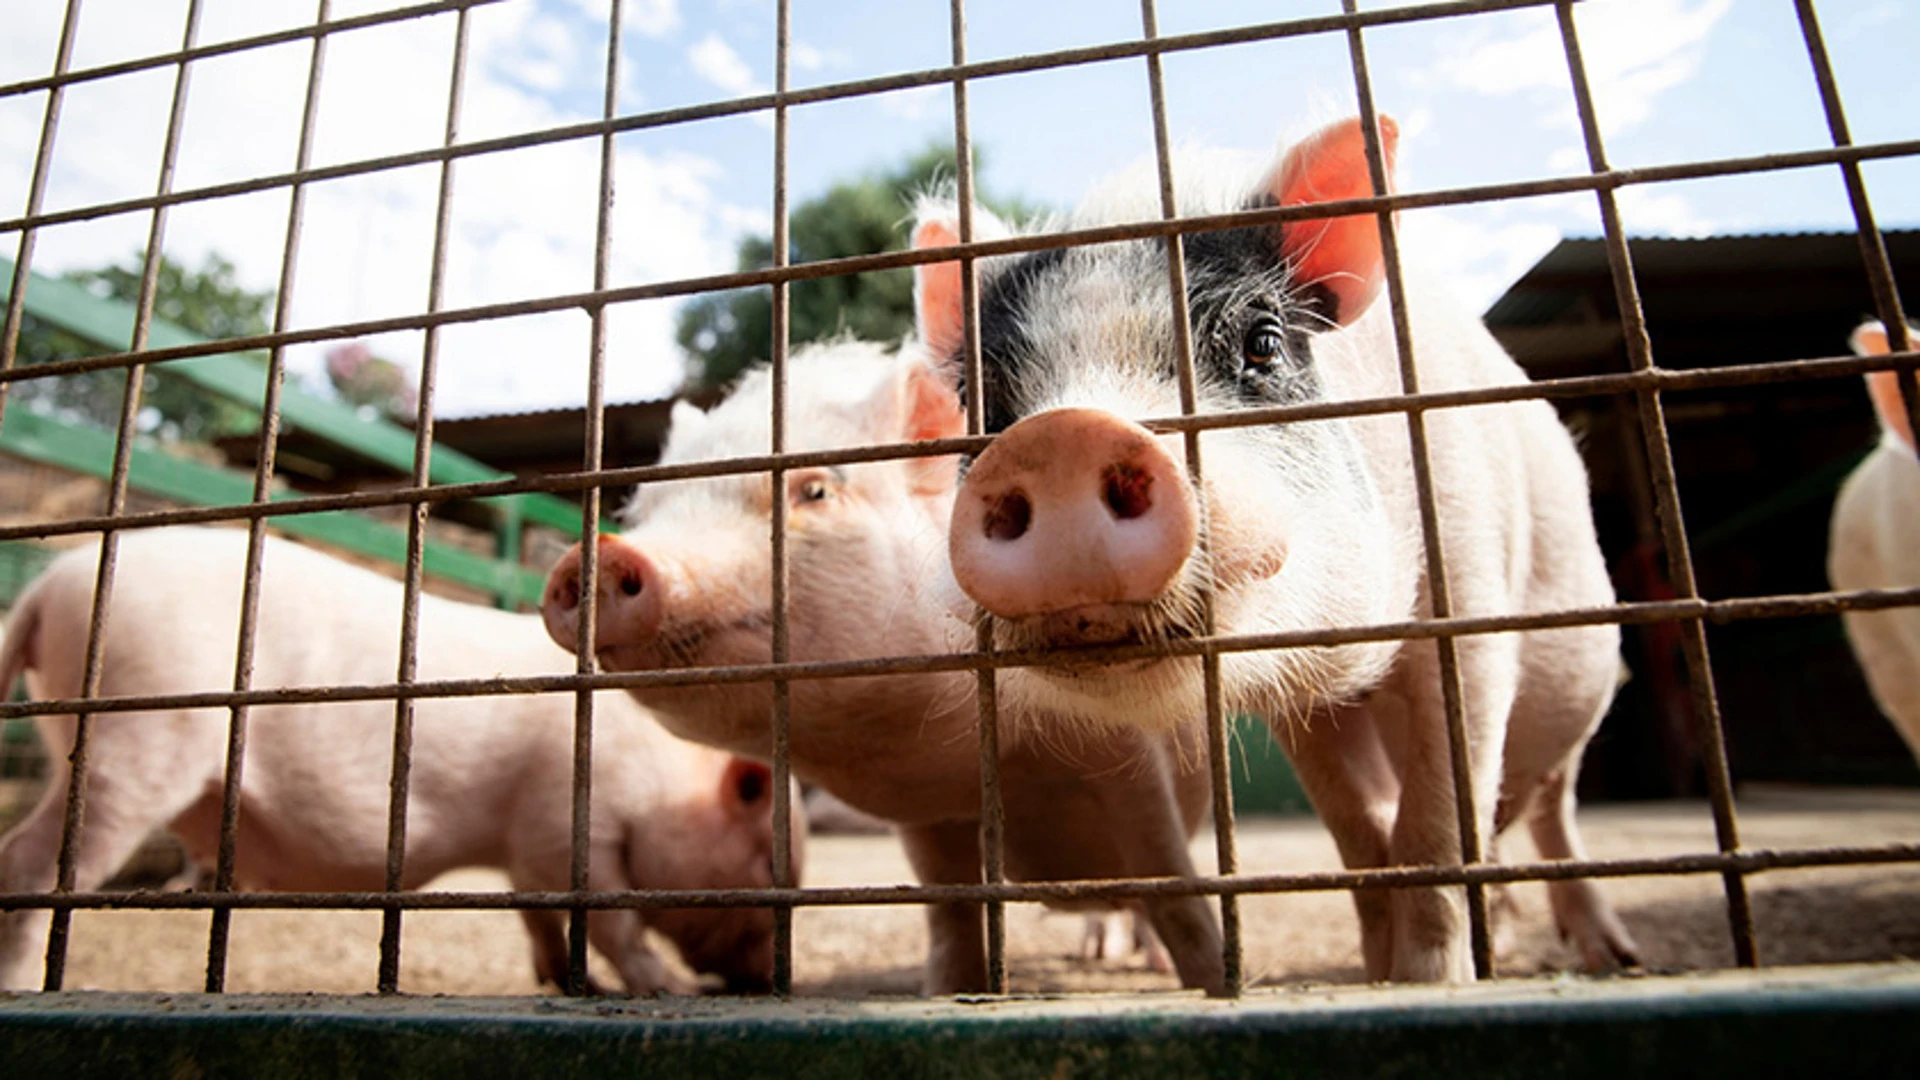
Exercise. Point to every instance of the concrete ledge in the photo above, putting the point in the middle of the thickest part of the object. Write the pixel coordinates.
(1813, 1022)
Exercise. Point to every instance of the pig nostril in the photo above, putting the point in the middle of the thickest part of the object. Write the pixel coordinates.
(630, 585)
(1128, 491)
(1008, 517)
(568, 593)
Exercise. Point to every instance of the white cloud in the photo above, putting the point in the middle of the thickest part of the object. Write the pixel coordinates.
(716, 62)
(523, 221)
(1634, 52)
(1646, 211)
(1477, 250)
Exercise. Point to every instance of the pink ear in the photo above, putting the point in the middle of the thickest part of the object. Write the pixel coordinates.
(1340, 254)
(1884, 386)
(933, 412)
(936, 291)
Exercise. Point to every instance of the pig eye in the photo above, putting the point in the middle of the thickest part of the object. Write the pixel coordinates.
(812, 490)
(1265, 342)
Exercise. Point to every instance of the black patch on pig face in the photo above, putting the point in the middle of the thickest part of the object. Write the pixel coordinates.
(1238, 294)
(1250, 326)
(1005, 299)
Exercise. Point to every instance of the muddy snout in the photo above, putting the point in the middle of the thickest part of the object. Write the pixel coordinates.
(629, 598)
(1071, 508)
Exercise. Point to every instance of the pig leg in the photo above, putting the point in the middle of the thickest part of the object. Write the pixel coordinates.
(1184, 924)
(1343, 768)
(126, 800)
(1430, 924)
(1108, 935)
(948, 853)
(619, 935)
(548, 931)
(1580, 911)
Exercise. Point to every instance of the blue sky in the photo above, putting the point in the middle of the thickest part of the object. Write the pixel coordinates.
(1480, 99)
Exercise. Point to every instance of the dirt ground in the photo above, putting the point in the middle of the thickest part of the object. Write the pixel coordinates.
(1804, 916)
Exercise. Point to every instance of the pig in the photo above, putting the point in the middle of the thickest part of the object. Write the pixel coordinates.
(688, 584)
(1079, 526)
(1875, 544)
(491, 776)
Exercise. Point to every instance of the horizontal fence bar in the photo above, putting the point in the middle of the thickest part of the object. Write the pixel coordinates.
(891, 260)
(1623, 614)
(1551, 389)
(222, 48)
(812, 95)
(1746, 862)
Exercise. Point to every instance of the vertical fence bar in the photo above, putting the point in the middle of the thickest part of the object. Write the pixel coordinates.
(1219, 755)
(579, 867)
(36, 196)
(993, 823)
(75, 810)
(387, 980)
(1439, 594)
(777, 433)
(1873, 247)
(1673, 531)
(219, 928)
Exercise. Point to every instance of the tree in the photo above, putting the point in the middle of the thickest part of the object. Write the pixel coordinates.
(207, 301)
(723, 333)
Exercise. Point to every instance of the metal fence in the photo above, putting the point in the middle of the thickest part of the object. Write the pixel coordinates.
(1645, 384)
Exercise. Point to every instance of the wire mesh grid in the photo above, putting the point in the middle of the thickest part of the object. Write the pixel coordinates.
(1645, 385)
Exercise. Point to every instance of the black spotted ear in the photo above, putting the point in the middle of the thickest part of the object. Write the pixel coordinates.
(1339, 255)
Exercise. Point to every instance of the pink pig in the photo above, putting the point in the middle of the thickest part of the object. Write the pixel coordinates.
(689, 585)
(491, 775)
(1876, 545)
(1079, 526)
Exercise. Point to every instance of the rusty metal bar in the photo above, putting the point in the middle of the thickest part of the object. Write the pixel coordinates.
(36, 196)
(1749, 861)
(1653, 425)
(781, 644)
(829, 92)
(1622, 614)
(387, 975)
(1553, 389)
(1873, 247)
(61, 78)
(1219, 755)
(75, 810)
(580, 838)
(1439, 593)
(1601, 181)
(220, 925)
(993, 823)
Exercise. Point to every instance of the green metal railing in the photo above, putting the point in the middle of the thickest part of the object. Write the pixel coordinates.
(241, 379)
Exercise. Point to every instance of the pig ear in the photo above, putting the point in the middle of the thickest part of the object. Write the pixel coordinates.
(1340, 255)
(1884, 386)
(746, 787)
(931, 410)
(936, 290)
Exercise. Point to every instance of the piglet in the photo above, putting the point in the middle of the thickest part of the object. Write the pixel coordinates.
(491, 775)
(1080, 526)
(1876, 545)
(689, 584)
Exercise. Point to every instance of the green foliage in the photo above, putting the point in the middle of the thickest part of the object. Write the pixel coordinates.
(207, 301)
(725, 332)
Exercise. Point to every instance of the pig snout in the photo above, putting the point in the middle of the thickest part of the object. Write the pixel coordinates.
(1071, 509)
(630, 600)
